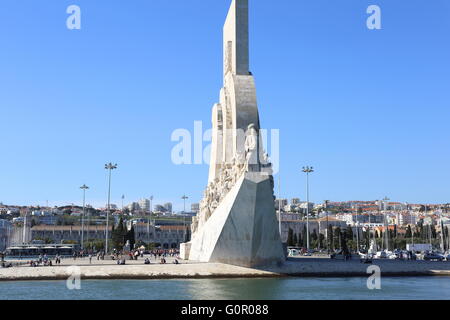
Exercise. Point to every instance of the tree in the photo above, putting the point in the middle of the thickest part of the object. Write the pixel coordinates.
(321, 240)
(433, 232)
(330, 238)
(408, 233)
(304, 236)
(314, 236)
(94, 244)
(187, 234)
(344, 245)
(119, 235)
(349, 232)
(337, 237)
(290, 239)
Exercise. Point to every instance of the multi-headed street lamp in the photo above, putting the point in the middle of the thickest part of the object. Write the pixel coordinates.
(307, 170)
(84, 187)
(109, 167)
(184, 197)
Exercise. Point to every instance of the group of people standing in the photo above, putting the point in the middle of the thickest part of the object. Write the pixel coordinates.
(44, 260)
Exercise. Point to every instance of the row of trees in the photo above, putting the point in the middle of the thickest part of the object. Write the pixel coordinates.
(345, 239)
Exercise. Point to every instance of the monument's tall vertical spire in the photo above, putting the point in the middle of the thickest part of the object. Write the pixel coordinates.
(236, 39)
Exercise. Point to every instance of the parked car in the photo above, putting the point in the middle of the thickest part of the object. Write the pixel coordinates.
(430, 256)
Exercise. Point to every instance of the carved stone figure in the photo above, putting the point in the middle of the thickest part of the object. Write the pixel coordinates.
(251, 149)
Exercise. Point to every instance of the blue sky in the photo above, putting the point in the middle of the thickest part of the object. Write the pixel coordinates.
(369, 109)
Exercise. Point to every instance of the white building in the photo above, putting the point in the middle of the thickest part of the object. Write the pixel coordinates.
(195, 207)
(5, 233)
(144, 205)
(168, 207)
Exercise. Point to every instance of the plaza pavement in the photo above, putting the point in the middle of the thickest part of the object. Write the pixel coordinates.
(304, 267)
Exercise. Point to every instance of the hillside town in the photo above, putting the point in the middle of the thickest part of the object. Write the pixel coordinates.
(326, 226)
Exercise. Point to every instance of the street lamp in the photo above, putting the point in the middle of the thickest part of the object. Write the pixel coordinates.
(149, 218)
(279, 205)
(307, 170)
(184, 197)
(108, 167)
(386, 225)
(328, 229)
(84, 187)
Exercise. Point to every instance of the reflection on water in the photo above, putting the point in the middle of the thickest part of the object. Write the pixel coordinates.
(232, 289)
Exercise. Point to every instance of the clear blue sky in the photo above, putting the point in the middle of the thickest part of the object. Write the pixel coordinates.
(368, 109)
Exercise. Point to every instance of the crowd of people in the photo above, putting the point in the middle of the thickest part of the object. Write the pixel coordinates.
(159, 255)
(44, 260)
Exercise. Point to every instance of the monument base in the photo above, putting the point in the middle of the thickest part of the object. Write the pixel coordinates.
(185, 249)
(243, 230)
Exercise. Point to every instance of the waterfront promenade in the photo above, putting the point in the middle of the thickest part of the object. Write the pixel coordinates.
(304, 267)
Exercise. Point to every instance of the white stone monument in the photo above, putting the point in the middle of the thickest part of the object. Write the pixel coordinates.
(237, 222)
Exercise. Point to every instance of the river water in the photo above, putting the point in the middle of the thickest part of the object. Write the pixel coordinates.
(232, 289)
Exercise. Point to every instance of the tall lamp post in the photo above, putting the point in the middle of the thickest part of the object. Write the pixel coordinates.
(84, 187)
(307, 170)
(184, 197)
(328, 243)
(149, 218)
(386, 225)
(279, 205)
(108, 167)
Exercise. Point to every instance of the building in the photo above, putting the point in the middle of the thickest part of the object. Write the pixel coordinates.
(134, 206)
(169, 236)
(318, 226)
(282, 202)
(406, 218)
(5, 233)
(144, 205)
(168, 207)
(352, 218)
(160, 209)
(44, 217)
(195, 207)
(56, 234)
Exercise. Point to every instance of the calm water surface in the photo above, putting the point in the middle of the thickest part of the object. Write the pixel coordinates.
(232, 289)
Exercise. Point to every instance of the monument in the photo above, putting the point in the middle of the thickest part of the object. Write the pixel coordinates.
(237, 222)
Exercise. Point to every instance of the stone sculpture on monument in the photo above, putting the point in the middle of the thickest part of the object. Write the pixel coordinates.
(237, 222)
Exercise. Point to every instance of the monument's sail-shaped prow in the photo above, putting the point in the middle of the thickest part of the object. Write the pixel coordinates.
(237, 221)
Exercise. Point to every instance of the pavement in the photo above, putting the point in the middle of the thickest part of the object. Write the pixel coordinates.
(299, 266)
